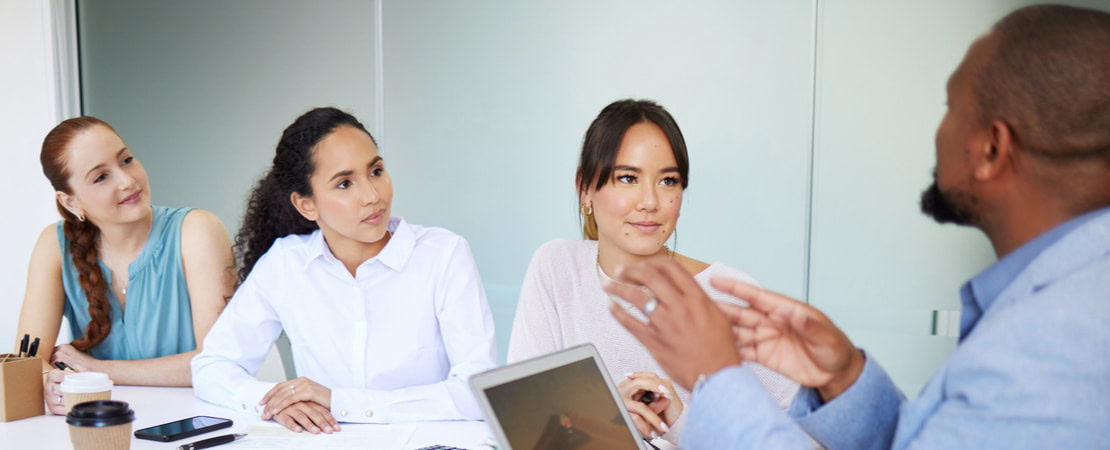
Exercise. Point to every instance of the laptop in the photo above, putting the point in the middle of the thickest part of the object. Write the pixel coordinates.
(561, 401)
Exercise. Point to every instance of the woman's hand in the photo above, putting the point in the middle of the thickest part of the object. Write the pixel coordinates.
(653, 419)
(293, 391)
(52, 392)
(76, 359)
(309, 416)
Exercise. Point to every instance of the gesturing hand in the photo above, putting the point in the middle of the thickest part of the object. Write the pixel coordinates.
(686, 333)
(293, 391)
(791, 338)
(307, 416)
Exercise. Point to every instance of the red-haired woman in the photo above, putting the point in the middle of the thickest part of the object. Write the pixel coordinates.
(139, 285)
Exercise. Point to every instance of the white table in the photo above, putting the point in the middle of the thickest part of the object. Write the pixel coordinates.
(158, 405)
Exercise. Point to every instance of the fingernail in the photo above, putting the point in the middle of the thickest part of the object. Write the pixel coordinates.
(663, 389)
(664, 426)
(654, 435)
(617, 272)
(298, 429)
(315, 430)
(327, 429)
(628, 375)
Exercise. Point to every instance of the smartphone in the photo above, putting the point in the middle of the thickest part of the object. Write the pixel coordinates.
(183, 428)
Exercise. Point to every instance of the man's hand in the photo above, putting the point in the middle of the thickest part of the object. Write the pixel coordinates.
(791, 338)
(686, 333)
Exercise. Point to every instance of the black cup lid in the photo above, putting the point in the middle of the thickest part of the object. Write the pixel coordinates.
(100, 413)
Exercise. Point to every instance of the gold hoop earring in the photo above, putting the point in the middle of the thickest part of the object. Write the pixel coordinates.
(586, 210)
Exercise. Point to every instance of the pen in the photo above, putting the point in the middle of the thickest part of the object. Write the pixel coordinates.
(212, 442)
(23, 344)
(61, 365)
(34, 349)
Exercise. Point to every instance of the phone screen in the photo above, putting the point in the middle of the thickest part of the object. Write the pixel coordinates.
(185, 427)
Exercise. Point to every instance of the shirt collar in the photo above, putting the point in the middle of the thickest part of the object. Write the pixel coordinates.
(394, 255)
(989, 284)
(400, 246)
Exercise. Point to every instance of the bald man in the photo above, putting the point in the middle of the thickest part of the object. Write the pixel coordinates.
(1023, 154)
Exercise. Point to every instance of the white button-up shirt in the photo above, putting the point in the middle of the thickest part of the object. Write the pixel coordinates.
(397, 342)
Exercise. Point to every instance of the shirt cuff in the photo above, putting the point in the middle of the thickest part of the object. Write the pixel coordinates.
(732, 409)
(864, 416)
(246, 396)
(356, 405)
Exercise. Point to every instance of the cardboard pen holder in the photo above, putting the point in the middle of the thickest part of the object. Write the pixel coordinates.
(20, 387)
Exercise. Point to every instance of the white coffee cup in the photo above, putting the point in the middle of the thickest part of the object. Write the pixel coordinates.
(85, 387)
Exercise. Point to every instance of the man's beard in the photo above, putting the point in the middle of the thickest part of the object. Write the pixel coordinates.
(945, 208)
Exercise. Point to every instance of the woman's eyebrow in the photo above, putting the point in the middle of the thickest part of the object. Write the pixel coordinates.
(100, 166)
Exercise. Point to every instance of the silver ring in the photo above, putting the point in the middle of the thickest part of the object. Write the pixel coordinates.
(650, 307)
(293, 389)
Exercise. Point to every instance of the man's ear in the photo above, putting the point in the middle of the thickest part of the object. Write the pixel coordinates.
(305, 205)
(69, 203)
(995, 155)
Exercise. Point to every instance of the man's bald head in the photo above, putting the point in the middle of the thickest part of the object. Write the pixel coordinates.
(1048, 78)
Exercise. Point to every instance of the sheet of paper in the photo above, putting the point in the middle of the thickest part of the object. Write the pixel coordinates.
(352, 436)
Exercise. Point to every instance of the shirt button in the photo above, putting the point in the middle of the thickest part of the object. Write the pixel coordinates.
(369, 413)
(245, 407)
(343, 413)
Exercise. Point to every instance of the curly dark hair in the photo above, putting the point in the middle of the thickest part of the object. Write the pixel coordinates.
(270, 214)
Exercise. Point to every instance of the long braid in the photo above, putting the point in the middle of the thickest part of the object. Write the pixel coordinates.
(82, 246)
(82, 235)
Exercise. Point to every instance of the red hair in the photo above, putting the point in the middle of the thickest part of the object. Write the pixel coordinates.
(82, 234)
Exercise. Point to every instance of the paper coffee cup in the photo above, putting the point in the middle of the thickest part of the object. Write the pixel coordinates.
(100, 425)
(85, 387)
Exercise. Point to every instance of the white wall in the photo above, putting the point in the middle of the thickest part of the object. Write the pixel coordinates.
(486, 105)
(201, 90)
(27, 111)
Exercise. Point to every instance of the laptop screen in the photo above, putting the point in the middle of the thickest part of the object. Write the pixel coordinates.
(568, 407)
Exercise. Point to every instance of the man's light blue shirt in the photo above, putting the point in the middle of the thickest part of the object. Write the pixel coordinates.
(1032, 369)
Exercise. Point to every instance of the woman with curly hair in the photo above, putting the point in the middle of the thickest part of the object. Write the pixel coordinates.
(387, 319)
(140, 285)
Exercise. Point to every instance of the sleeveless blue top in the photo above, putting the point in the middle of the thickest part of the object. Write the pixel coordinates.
(158, 319)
